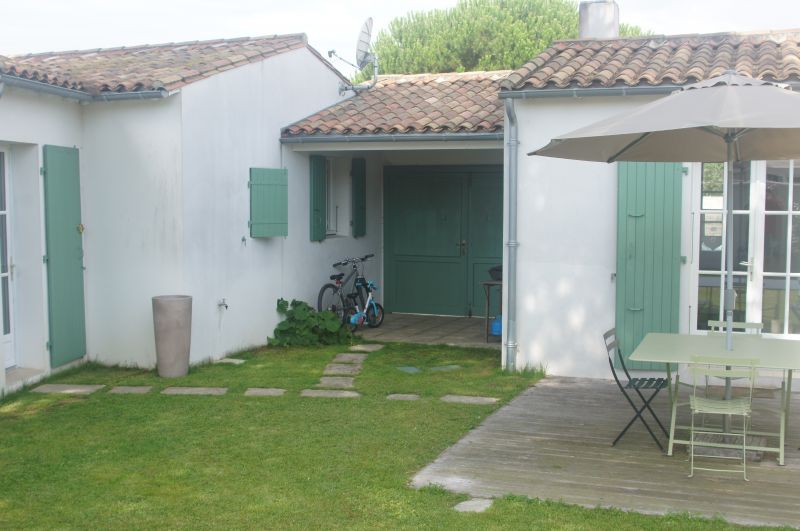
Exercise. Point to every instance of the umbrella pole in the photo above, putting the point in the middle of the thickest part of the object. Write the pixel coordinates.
(729, 293)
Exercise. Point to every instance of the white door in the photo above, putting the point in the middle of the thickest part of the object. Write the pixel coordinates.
(6, 269)
(766, 245)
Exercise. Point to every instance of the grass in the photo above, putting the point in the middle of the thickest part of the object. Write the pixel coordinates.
(152, 460)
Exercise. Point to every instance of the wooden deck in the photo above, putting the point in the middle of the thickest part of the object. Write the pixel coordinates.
(554, 442)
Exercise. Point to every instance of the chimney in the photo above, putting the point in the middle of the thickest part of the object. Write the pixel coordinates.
(598, 19)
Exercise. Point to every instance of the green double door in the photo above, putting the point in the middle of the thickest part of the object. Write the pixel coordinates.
(443, 230)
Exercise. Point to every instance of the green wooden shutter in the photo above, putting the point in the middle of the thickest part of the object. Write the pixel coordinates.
(317, 198)
(359, 190)
(269, 202)
(64, 241)
(648, 252)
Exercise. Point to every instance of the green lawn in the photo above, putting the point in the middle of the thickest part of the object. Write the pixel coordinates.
(229, 461)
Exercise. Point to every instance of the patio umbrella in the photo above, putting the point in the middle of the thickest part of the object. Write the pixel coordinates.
(726, 118)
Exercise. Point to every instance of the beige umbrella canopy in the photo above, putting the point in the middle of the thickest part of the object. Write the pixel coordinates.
(726, 118)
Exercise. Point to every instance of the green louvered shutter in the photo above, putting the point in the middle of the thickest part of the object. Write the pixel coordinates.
(269, 202)
(648, 252)
(359, 190)
(317, 199)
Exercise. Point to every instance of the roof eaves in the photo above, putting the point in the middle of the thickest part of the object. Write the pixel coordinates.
(393, 137)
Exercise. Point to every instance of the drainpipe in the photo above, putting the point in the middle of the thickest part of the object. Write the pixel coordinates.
(510, 273)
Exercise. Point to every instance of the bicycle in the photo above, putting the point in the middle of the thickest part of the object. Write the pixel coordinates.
(370, 313)
(333, 297)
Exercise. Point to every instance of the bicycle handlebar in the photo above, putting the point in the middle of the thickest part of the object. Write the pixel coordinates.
(347, 261)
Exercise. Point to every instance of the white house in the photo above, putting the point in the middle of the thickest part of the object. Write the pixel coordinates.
(125, 174)
(237, 171)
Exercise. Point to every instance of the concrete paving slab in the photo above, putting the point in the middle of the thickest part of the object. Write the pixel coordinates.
(366, 348)
(131, 389)
(348, 357)
(342, 369)
(230, 361)
(329, 393)
(410, 369)
(69, 389)
(474, 505)
(194, 391)
(336, 382)
(400, 396)
(446, 368)
(264, 391)
(463, 399)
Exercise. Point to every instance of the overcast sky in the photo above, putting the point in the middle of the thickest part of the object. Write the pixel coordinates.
(46, 25)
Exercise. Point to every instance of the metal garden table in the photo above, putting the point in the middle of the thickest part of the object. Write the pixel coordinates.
(771, 353)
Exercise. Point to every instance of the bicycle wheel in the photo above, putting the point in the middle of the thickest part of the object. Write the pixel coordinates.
(349, 312)
(330, 299)
(375, 315)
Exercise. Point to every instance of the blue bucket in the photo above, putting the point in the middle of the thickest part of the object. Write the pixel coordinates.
(496, 326)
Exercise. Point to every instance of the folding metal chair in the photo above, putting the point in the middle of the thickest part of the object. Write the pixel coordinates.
(637, 385)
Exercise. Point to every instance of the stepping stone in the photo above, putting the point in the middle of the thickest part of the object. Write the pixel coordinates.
(366, 348)
(194, 391)
(336, 382)
(402, 397)
(230, 361)
(326, 393)
(446, 368)
(342, 369)
(410, 370)
(131, 389)
(463, 399)
(69, 389)
(475, 505)
(264, 391)
(349, 358)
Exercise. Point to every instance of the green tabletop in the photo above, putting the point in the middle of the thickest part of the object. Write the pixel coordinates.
(771, 353)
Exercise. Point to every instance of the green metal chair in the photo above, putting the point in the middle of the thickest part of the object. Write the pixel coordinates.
(701, 369)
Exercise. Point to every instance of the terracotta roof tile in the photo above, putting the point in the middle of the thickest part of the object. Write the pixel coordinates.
(654, 60)
(147, 67)
(420, 103)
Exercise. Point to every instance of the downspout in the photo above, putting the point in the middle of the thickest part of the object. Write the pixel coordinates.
(510, 273)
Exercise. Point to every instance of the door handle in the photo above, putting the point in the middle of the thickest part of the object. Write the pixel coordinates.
(462, 248)
(749, 265)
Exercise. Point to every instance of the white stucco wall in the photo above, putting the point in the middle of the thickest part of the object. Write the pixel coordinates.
(567, 241)
(132, 211)
(232, 122)
(29, 120)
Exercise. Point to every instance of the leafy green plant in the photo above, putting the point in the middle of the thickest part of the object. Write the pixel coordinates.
(304, 326)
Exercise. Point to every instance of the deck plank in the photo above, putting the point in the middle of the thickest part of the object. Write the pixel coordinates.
(554, 442)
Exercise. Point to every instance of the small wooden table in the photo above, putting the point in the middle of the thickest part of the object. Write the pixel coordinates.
(487, 289)
(771, 353)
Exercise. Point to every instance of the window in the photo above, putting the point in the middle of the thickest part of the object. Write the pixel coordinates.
(332, 209)
(269, 202)
(332, 197)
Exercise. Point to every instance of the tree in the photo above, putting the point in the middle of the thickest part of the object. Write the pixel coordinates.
(477, 35)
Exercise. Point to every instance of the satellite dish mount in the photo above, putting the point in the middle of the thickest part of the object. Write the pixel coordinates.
(364, 57)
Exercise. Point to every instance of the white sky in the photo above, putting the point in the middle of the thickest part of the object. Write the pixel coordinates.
(46, 25)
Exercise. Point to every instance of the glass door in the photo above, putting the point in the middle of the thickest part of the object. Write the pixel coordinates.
(766, 224)
(5, 270)
(778, 278)
(710, 249)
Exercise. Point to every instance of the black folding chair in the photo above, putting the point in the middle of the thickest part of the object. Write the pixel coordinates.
(637, 385)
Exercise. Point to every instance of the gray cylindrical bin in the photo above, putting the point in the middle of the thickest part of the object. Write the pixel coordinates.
(172, 321)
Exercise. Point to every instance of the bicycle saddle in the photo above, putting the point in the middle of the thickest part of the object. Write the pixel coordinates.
(337, 276)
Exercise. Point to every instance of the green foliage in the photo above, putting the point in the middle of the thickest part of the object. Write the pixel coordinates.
(477, 35)
(304, 326)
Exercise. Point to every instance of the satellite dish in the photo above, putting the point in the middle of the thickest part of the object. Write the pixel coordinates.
(363, 55)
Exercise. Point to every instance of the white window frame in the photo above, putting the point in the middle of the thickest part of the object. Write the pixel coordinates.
(331, 208)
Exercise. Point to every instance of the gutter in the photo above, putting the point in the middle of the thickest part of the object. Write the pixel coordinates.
(510, 272)
(395, 137)
(47, 88)
(581, 92)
